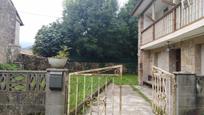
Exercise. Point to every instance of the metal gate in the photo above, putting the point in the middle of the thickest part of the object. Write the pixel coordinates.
(95, 92)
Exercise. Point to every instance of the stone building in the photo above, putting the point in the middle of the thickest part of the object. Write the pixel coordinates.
(171, 36)
(10, 23)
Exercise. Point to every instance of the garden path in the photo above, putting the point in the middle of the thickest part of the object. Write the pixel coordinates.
(132, 102)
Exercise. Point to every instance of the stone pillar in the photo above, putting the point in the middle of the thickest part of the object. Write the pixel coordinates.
(185, 94)
(200, 95)
(55, 96)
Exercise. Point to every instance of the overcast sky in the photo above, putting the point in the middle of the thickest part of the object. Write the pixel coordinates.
(36, 13)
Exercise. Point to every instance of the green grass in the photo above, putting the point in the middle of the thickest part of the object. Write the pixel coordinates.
(128, 79)
(98, 81)
(8, 67)
(141, 94)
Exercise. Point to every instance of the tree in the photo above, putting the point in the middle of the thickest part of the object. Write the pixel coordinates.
(95, 30)
(90, 23)
(129, 29)
(49, 40)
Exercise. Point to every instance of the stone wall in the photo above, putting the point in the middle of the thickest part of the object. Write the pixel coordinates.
(22, 92)
(79, 66)
(190, 94)
(7, 28)
(190, 57)
(31, 62)
(186, 94)
(190, 54)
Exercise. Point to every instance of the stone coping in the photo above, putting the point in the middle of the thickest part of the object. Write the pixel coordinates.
(57, 70)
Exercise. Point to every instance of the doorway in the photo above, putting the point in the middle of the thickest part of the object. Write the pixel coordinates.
(178, 59)
(175, 60)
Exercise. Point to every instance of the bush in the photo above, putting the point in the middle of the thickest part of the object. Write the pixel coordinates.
(8, 67)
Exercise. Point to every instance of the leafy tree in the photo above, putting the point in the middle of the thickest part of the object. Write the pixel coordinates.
(49, 40)
(129, 30)
(96, 30)
(90, 23)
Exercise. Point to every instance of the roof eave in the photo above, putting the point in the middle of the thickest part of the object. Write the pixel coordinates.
(17, 14)
(138, 10)
(20, 20)
(136, 7)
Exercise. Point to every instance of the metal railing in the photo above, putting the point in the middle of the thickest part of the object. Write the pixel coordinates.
(164, 92)
(88, 90)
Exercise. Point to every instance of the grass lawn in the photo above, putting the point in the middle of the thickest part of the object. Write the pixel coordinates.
(92, 83)
(127, 79)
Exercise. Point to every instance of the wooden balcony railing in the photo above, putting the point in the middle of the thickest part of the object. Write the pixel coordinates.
(175, 19)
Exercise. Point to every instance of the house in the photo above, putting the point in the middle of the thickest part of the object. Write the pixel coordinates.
(171, 36)
(10, 23)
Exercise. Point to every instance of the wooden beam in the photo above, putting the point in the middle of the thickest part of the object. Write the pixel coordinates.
(168, 2)
(150, 17)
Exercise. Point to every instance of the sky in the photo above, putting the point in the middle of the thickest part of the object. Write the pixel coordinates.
(36, 13)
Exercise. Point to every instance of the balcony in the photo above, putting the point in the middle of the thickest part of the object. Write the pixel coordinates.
(175, 25)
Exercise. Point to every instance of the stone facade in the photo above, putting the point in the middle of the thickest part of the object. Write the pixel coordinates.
(190, 57)
(9, 32)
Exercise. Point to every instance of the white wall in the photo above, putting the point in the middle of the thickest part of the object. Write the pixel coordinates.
(163, 60)
(202, 60)
(147, 22)
(17, 33)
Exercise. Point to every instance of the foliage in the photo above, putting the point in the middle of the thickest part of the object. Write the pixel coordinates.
(8, 67)
(49, 40)
(93, 29)
(63, 53)
(96, 82)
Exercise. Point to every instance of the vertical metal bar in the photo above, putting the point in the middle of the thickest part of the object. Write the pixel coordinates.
(69, 93)
(98, 96)
(105, 101)
(113, 96)
(121, 95)
(77, 89)
(84, 95)
(91, 96)
(121, 98)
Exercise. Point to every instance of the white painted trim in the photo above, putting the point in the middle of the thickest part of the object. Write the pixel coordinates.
(175, 36)
(202, 60)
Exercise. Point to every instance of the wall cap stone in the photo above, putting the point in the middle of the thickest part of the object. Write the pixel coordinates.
(183, 73)
(56, 70)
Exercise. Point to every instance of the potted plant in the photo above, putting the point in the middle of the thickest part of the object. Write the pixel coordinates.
(60, 60)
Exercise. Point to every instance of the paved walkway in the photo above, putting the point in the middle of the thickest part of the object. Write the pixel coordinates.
(147, 91)
(132, 103)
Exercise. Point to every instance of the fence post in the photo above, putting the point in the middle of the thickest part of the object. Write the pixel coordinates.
(185, 94)
(56, 81)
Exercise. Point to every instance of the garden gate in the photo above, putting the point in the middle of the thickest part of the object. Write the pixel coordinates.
(164, 92)
(92, 92)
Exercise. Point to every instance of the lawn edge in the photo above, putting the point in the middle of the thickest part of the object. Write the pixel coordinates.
(142, 94)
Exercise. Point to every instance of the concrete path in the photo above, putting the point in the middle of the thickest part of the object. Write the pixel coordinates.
(132, 103)
(147, 91)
